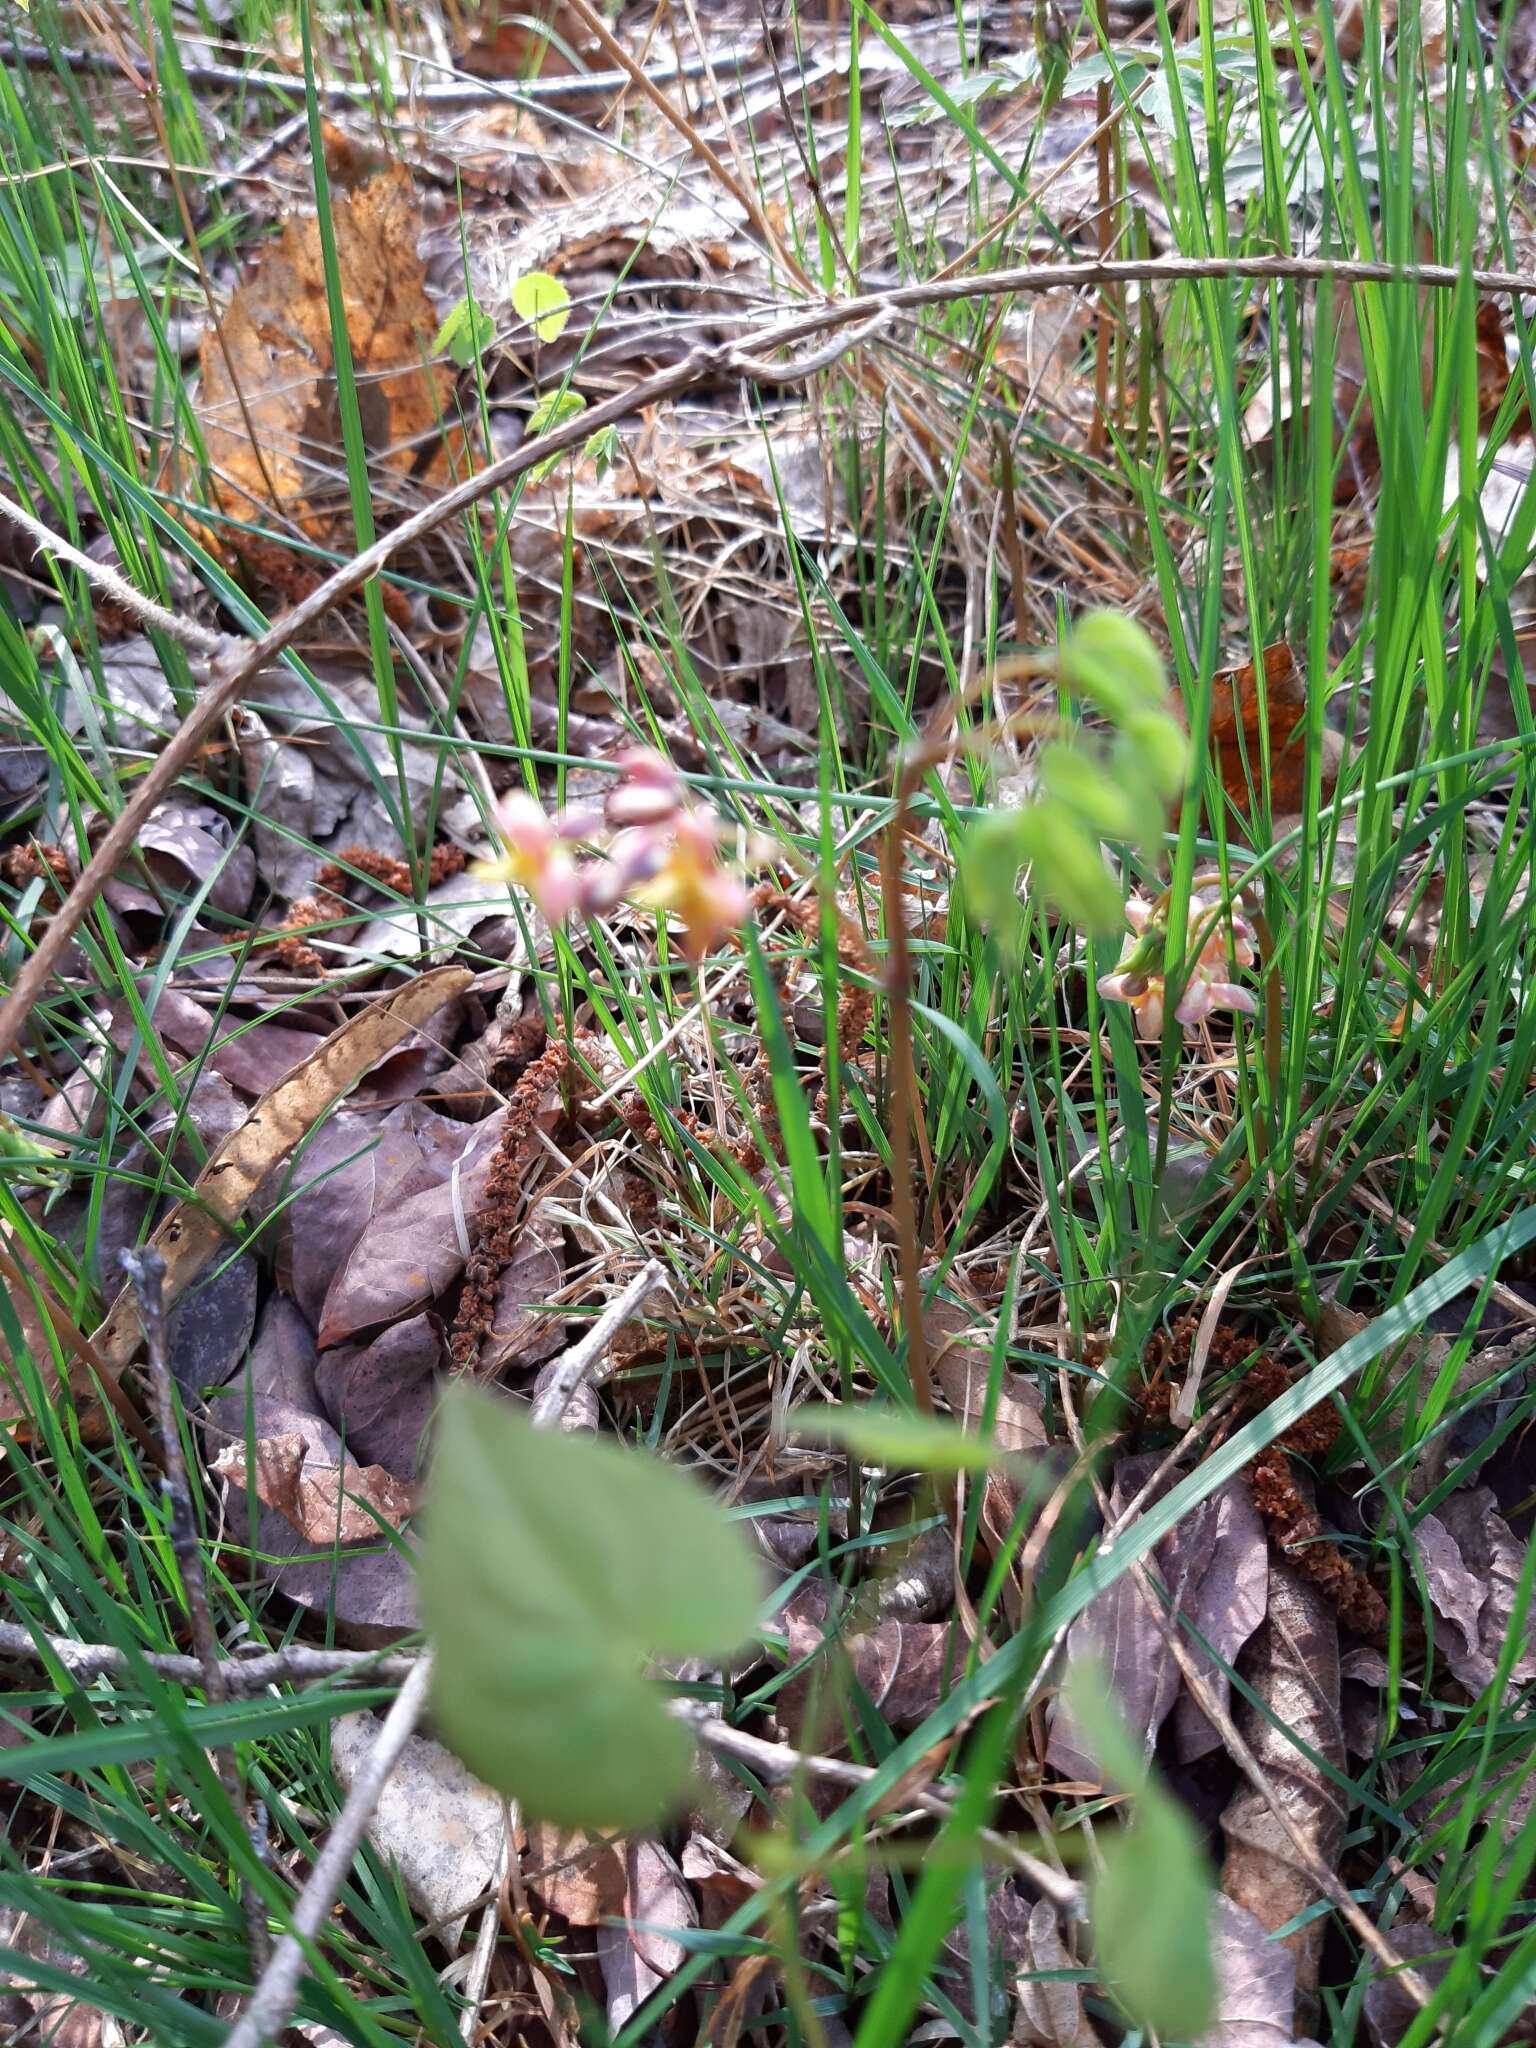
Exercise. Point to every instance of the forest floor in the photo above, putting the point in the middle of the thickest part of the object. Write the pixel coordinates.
(865, 350)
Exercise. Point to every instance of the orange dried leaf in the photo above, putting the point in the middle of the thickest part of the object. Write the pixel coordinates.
(269, 402)
(1246, 714)
(324, 1502)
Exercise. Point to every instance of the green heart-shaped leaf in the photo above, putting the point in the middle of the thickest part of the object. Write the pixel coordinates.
(466, 333)
(552, 1567)
(543, 302)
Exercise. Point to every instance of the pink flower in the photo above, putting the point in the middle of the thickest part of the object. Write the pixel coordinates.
(533, 856)
(707, 899)
(659, 851)
(649, 790)
(1144, 993)
(1226, 938)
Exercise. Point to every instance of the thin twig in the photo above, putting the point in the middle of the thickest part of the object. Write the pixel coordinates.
(273, 1999)
(779, 1763)
(230, 673)
(905, 1103)
(776, 1762)
(146, 1275)
(112, 585)
(242, 1675)
(463, 92)
(575, 1366)
(484, 1954)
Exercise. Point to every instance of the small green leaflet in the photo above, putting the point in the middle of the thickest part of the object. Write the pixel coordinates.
(552, 1566)
(1114, 663)
(899, 1437)
(603, 448)
(466, 334)
(23, 1157)
(549, 412)
(1151, 1904)
(543, 302)
(1089, 790)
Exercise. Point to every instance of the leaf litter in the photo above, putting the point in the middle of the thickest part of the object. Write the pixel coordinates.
(404, 1230)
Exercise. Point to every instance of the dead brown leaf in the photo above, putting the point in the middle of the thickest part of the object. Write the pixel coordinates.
(639, 1957)
(1389, 2011)
(1051, 2013)
(1472, 1560)
(441, 1827)
(902, 1665)
(269, 403)
(380, 1396)
(1292, 1665)
(1246, 712)
(583, 1881)
(416, 1245)
(196, 1227)
(962, 1362)
(358, 1162)
(1255, 1983)
(325, 1502)
(1215, 1567)
(365, 1590)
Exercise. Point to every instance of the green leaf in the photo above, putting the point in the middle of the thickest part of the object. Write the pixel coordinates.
(1151, 1913)
(543, 302)
(1111, 796)
(552, 1567)
(898, 1437)
(1151, 1904)
(1068, 868)
(1114, 663)
(23, 1157)
(551, 411)
(554, 409)
(466, 333)
(603, 448)
(991, 856)
(1155, 743)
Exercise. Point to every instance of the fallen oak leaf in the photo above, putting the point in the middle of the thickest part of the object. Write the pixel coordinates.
(1255, 1983)
(582, 1879)
(638, 1955)
(1472, 1563)
(326, 1503)
(197, 1226)
(1292, 1669)
(1252, 718)
(268, 402)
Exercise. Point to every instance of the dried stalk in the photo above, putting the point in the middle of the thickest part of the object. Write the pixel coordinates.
(463, 92)
(113, 586)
